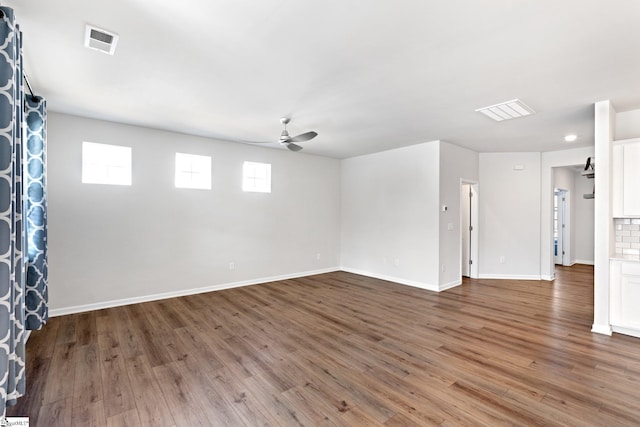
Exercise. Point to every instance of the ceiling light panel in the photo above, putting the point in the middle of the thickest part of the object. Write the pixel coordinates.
(507, 110)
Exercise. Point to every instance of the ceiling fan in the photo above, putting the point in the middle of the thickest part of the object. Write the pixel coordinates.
(289, 141)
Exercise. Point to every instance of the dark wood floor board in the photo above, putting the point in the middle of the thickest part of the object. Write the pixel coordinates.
(90, 414)
(125, 419)
(179, 395)
(86, 328)
(338, 349)
(150, 403)
(66, 331)
(338, 375)
(62, 371)
(87, 384)
(234, 393)
(206, 393)
(148, 337)
(319, 415)
(117, 320)
(56, 414)
(358, 417)
(197, 354)
(116, 389)
(274, 402)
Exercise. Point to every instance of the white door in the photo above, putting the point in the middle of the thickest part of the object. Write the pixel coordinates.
(465, 225)
(559, 226)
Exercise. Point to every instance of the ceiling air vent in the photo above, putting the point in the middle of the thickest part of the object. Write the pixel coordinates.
(506, 110)
(99, 39)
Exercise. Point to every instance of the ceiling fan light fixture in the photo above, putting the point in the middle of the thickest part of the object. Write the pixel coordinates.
(506, 110)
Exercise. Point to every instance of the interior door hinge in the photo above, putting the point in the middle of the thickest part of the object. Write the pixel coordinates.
(470, 228)
(470, 262)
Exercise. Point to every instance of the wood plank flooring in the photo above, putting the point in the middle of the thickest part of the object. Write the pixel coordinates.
(339, 350)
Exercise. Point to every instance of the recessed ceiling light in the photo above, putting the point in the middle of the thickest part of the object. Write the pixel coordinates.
(570, 138)
(506, 110)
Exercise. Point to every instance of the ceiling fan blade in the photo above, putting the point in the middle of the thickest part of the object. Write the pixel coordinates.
(293, 147)
(303, 137)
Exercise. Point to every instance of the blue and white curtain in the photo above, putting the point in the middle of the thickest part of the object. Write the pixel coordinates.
(18, 215)
(36, 297)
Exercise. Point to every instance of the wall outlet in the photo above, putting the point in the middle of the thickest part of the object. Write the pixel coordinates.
(318, 257)
(450, 226)
(396, 262)
(502, 259)
(443, 268)
(232, 266)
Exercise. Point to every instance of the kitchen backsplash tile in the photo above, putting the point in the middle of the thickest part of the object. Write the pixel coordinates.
(627, 236)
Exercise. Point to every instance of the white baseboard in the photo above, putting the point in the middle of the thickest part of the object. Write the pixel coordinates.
(548, 278)
(510, 277)
(601, 329)
(183, 292)
(450, 285)
(626, 331)
(585, 262)
(420, 285)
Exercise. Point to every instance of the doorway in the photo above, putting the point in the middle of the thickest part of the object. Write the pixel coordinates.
(559, 226)
(468, 229)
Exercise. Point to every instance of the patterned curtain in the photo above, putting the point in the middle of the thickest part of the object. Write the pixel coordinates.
(12, 236)
(36, 297)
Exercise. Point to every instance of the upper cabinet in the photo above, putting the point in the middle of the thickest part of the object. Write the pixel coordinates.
(626, 179)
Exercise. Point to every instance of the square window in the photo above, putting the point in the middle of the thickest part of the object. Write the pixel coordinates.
(256, 177)
(106, 164)
(193, 171)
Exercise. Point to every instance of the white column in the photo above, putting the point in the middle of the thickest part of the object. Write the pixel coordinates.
(603, 233)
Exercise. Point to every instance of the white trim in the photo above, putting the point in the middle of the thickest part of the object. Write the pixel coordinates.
(27, 334)
(450, 285)
(420, 285)
(583, 261)
(146, 298)
(548, 278)
(601, 329)
(625, 331)
(509, 277)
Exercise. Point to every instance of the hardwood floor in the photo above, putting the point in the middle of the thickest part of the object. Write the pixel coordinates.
(339, 349)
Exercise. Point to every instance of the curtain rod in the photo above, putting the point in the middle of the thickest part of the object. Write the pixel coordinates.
(26, 80)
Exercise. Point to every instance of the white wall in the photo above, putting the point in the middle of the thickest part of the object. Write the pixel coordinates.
(509, 203)
(583, 224)
(456, 164)
(112, 243)
(390, 212)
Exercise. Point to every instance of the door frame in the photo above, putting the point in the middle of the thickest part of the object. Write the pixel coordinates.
(564, 212)
(475, 230)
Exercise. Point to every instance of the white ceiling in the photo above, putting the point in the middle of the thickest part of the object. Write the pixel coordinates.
(366, 75)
